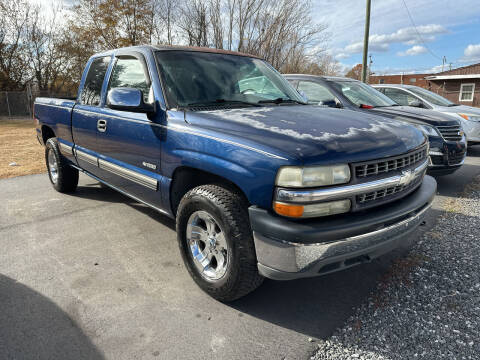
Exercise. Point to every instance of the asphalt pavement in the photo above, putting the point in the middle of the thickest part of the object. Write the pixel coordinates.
(94, 275)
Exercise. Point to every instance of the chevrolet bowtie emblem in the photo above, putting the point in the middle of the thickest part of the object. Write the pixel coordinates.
(407, 177)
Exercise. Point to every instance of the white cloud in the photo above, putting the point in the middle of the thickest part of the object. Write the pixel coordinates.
(413, 51)
(346, 22)
(407, 35)
(471, 53)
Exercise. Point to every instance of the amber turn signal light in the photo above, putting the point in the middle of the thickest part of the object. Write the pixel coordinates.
(289, 210)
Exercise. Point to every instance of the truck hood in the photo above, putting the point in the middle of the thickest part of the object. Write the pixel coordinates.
(459, 109)
(310, 134)
(416, 115)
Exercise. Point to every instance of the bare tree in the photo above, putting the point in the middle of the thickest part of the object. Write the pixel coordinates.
(15, 15)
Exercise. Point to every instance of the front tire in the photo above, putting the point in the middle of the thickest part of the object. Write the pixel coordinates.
(216, 242)
(63, 177)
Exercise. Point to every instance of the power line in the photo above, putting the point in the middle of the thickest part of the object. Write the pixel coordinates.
(418, 33)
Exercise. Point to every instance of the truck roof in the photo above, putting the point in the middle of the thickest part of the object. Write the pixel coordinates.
(178, 48)
(328, 78)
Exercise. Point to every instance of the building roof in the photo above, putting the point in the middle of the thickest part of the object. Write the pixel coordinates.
(453, 77)
(464, 70)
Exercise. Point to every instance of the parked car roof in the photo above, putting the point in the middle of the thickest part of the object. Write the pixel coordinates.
(395, 85)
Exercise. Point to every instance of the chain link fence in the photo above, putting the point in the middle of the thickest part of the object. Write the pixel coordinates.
(15, 103)
(20, 103)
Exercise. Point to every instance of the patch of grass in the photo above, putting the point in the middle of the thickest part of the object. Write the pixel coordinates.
(19, 144)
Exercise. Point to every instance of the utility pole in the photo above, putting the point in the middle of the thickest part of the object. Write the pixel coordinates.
(369, 69)
(444, 61)
(365, 42)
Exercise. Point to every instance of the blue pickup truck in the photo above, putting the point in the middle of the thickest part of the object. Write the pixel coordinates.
(260, 183)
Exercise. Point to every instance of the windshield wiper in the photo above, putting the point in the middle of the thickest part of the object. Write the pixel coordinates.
(450, 105)
(223, 101)
(281, 100)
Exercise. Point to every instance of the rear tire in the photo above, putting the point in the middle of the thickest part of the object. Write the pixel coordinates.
(63, 177)
(225, 266)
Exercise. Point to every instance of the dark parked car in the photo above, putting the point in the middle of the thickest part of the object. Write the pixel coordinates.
(447, 140)
(260, 184)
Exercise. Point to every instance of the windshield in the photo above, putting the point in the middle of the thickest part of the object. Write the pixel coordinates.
(195, 78)
(431, 97)
(361, 94)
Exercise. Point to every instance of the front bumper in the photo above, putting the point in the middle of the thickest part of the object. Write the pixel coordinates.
(288, 249)
(472, 130)
(446, 156)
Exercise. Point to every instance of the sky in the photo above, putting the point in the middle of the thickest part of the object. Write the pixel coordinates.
(440, 28)
(398, 43)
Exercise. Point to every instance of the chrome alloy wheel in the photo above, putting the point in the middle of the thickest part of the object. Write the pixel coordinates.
(52, 166)
(207, 243)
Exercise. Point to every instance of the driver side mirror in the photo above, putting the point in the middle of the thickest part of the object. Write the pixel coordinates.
(416, 103)
(129, 99)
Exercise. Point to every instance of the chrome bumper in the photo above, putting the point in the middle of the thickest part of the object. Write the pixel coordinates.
(285, 250)
(284, 261)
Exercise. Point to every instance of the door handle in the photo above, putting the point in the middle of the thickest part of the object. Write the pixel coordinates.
(102, 125)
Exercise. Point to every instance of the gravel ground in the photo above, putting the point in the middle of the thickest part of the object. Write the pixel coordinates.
(428, 304)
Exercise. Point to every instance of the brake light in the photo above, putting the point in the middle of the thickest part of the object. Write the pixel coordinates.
(365, 106)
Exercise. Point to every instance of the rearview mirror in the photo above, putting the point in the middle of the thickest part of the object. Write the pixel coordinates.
(129, 99)
(303, 95)
(329, 103)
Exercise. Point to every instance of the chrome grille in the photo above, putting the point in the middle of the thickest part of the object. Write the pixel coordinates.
(375, 167)
(451, 133)
(381, 194)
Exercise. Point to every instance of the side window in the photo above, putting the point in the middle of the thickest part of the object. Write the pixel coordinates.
(129, 72)
(400, 97)
(92, 89)
(466, 92)
(316, 93)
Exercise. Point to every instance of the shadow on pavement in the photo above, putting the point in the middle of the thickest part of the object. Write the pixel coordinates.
(103, 193)
(33, 327)
(317, 306)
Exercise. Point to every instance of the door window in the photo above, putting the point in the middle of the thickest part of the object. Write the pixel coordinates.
(316, 93)
(129, 72)
(400, 97)
(92, 89)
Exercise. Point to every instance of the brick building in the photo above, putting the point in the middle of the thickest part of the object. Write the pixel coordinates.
(410, 79)
(460, 85)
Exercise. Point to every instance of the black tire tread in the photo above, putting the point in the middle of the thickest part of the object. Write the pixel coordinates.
(235, 210)
(67, 176)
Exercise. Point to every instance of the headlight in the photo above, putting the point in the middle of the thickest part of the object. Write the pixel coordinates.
(295, 176)
(470, 117)
(427, 130)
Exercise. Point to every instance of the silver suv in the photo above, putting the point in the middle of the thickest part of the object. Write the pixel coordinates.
(410, 95)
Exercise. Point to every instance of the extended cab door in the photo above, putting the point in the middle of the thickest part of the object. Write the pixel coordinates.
(129, 144)
(85, 116)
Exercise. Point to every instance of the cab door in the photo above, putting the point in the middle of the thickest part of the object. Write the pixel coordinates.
(85, 116)
(130, 143)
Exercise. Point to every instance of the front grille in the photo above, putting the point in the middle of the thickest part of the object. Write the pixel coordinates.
(375, 167)
(387, 192)
(456, 158)
(451, 133)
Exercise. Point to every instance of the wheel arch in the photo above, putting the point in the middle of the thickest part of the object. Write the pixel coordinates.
(186, 178)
